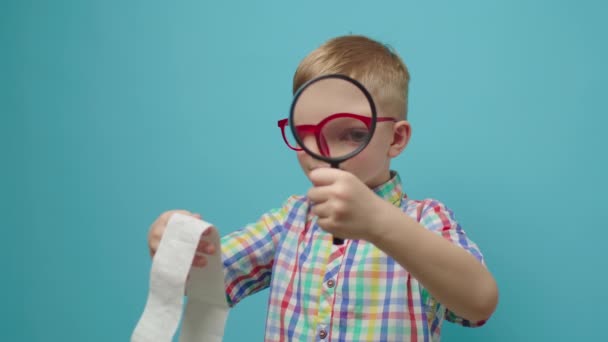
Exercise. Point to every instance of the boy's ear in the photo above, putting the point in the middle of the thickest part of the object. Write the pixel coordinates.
(401, 136)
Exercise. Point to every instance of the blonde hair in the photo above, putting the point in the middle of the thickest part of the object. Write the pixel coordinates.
(375, 65)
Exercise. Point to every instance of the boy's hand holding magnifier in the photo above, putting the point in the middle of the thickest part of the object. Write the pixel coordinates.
(332, 119)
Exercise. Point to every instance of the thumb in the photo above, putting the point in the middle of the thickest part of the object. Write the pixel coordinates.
(324, 176)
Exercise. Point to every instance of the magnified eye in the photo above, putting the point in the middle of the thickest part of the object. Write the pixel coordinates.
(355, 135)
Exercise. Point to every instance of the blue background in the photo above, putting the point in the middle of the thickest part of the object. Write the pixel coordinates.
(114, 111)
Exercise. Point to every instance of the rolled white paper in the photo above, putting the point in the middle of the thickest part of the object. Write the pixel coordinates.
(172, 276)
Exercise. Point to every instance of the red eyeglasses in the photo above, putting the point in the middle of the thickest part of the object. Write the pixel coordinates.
(324, 140)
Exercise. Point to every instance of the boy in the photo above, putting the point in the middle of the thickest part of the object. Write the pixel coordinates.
(405, 266)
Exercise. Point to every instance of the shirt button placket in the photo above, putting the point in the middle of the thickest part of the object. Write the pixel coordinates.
(322, 334)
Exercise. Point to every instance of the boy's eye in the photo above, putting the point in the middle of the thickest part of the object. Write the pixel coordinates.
(357, 135)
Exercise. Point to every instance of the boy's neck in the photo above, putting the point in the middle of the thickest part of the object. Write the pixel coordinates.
(384, 177)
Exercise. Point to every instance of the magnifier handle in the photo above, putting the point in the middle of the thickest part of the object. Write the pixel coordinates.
(337, 240)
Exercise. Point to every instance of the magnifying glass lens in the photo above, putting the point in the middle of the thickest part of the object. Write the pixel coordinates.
(332, 118)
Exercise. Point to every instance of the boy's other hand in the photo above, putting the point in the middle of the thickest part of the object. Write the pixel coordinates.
(157, 229)
(345, 206)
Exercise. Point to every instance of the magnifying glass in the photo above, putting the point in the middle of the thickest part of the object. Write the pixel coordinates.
(332, 118)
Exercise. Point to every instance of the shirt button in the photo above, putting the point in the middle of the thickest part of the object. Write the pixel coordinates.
(331, 283)
(322, 334)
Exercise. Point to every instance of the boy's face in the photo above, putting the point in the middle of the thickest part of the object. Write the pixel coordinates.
(372, 164)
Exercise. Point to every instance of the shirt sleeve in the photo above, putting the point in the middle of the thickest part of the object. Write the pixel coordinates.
(248, 253)
(436, 217)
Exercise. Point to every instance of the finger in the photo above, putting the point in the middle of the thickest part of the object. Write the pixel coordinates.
(199, 261)
(167, 214)
(319, 194)
(202, 245)
(158, 227)
(205, 247)
(209, 231)
(324, 176)
(322, 210)
(178, 211)
(153, 243)
(327, 224)
(153, 248)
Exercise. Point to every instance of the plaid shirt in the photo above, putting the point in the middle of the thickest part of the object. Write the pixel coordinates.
(353, 292)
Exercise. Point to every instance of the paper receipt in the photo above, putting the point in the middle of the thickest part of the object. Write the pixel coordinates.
(172, 276)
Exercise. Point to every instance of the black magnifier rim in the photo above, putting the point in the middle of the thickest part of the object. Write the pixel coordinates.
(334, 162)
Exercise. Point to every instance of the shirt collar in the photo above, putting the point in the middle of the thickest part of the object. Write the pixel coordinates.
(392, 190)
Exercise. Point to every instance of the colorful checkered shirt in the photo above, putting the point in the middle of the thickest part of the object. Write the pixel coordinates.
(353, 292)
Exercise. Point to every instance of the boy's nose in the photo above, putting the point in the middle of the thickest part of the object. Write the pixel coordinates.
(310, 143)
